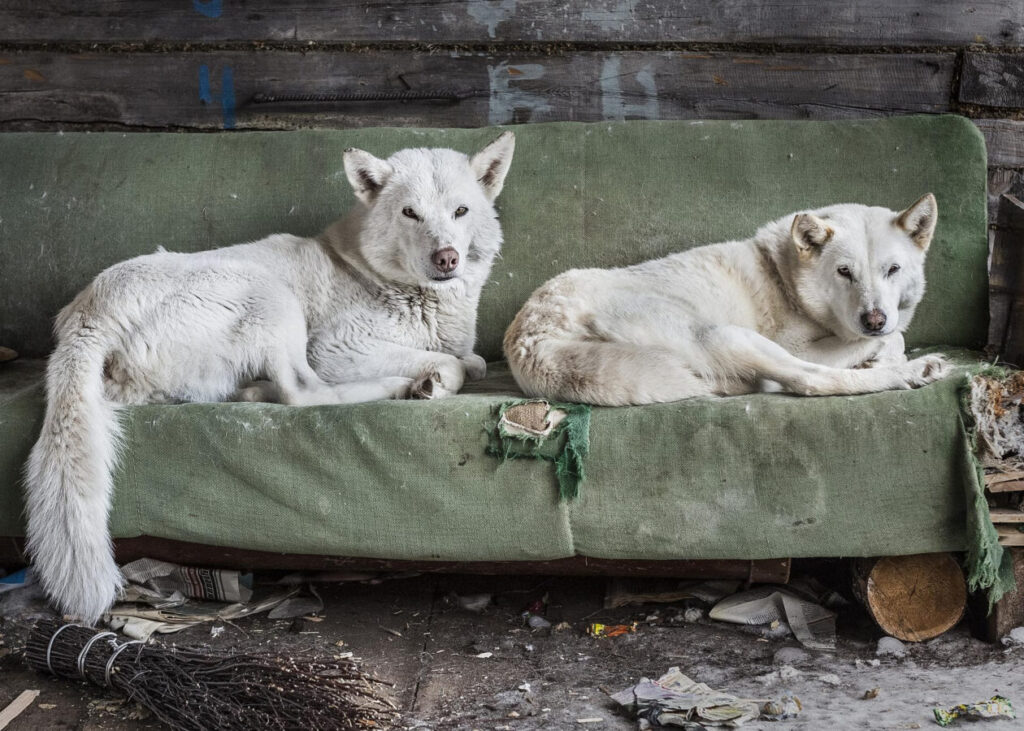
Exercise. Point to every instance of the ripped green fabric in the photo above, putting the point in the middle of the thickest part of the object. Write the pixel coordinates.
(567, 445)
(989, 567)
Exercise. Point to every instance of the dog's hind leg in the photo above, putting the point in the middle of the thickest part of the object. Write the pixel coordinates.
(604, 373)
(747, 355)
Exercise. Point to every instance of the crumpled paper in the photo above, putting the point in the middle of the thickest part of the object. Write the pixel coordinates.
(676, 700)
(995, 707)
(162, 597)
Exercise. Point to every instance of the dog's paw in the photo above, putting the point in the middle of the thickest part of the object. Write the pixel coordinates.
(396, 387)
(476, 367)
(926, 369)
(427, 386)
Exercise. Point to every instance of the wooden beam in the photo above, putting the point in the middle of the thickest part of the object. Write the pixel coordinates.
(993, 80)
(211, 90)
(1004, 481)
(1004, 139)
(998, 23)
(1006, 295)
(1006, 516)
(1009, 535)
(195, 554)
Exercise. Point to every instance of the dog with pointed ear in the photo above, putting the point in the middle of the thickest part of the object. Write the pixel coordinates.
(919, 220)
(428, 214)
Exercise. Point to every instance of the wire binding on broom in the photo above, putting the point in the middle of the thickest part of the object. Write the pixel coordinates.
(200, 689)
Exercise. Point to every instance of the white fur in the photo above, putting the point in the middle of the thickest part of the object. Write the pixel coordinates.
(769, 313)
(353, 315)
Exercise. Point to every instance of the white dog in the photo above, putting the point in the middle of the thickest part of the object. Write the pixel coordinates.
(381, 305)
(798, 308)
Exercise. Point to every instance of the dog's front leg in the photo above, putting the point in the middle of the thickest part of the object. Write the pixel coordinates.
(835, 352)
(434, 375)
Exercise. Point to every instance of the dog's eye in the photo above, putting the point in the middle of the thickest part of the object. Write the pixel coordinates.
(461, 211)
(893, 269)
(410, 213)
(845, 272)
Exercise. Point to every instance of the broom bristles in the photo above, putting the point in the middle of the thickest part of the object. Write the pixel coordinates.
(200, 689)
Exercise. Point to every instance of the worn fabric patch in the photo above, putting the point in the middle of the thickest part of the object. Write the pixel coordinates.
(537, 429)
(990, 403)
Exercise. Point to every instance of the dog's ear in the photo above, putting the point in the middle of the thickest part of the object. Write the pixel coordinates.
(491, 164)
(367, 174)
(809, 233)
(919, 220)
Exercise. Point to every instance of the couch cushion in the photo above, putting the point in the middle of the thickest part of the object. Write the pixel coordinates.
(577, 195)
(747, 477)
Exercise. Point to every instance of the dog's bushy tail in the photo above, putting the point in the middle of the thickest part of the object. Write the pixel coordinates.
(602, 373)
(69, 478)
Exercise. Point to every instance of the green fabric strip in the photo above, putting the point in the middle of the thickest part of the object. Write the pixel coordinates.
(566, 446)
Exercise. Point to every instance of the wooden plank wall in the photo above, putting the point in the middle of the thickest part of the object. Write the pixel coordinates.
(200, 65)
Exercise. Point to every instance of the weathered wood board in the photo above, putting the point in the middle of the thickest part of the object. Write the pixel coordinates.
(993, 80)
(209, 90)
(1005, 141)
(997, 23)
(1006, 302)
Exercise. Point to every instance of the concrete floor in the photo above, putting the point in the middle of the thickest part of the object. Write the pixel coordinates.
(413, 633)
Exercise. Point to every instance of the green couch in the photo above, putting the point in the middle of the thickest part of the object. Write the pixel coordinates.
(751, 477)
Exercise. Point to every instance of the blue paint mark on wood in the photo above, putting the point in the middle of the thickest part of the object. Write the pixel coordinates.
(227, 93)
(209, 8)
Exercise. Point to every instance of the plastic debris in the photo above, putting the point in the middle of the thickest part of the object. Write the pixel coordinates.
(536, 621)
(676, 700)
(788, 706)
(995, 707)
(17, 580)
(891, 646)
(812, 624)
(1014, 637)
(474, 602)
(596, 629)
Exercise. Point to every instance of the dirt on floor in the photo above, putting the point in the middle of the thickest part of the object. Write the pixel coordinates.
(452, 668)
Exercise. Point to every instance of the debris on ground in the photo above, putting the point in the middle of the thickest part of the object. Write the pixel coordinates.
(162, 597)
(161, 583)
(995, 707)
(870, 695)
(596, 629)
(891, 646)
(17, 580)
(786, 707)
(812, 624)
(474, 602)
(15, 707)
(676, 700)
(1014, 637)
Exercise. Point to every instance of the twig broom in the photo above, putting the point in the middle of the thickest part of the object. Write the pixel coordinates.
(200, 689)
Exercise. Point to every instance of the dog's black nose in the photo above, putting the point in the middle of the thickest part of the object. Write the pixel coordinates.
(445, 260)
(873, 321)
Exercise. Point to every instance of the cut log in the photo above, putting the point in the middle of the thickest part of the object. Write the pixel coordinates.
(913, 598)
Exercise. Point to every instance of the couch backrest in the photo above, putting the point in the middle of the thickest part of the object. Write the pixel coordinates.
(601, 194)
